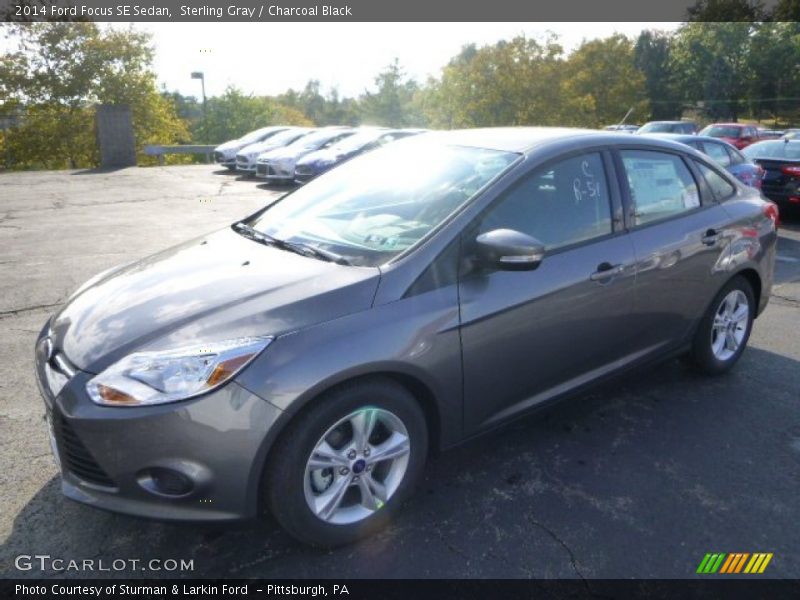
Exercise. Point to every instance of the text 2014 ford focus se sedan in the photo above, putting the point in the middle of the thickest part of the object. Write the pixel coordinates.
(310, 357)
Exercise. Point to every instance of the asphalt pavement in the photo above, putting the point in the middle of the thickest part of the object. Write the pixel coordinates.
(640, 478)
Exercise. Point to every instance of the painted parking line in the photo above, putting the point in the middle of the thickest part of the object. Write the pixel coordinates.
(789, 259)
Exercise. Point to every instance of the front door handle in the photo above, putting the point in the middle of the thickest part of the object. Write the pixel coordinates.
(606, 271)
(710, 237)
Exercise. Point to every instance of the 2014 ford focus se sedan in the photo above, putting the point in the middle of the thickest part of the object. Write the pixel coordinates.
(308, 358)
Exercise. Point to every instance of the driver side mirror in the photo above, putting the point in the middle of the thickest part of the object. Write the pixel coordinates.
(509, 250)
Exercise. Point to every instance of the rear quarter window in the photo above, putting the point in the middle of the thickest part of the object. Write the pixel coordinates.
(720, 187)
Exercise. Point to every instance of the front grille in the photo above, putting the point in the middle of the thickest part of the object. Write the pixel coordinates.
(261, 169)
(77, 458)
(271, 170)
(242, 160)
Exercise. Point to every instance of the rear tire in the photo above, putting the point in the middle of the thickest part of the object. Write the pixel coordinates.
(725, 328)
(322, 460)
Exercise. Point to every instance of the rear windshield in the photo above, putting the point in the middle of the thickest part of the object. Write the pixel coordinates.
(659, 128)
(774, 149)
(722, 131)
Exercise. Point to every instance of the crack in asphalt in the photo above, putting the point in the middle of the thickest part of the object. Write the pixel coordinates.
(26, 309)
(786, 299)
(572, 559)
(449, 545)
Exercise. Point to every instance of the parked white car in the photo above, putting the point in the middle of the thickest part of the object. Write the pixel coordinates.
(278, 165)
(225, 154)
(246, 157)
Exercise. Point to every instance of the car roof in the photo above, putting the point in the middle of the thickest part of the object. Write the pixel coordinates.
(673, 122)
(687, 137)
(527, 139)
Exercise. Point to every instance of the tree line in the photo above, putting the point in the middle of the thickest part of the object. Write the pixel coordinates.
(703, 70)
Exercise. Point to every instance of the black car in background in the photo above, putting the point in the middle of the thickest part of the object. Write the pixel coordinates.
(780, 160)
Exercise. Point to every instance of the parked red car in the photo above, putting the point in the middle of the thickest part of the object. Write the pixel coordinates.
(738, 134)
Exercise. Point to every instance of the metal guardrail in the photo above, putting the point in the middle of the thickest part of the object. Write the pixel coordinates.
(160, 151)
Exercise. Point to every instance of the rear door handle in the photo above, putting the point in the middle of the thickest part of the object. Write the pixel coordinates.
(710, 237)
(606, 271)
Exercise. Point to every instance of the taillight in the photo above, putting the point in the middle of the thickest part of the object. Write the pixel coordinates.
(791, 170)
(771, 211)
(759, 176)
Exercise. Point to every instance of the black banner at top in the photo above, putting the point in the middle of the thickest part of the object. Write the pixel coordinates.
(372, 10)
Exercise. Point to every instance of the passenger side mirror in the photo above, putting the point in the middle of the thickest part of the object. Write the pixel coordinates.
(509, 250)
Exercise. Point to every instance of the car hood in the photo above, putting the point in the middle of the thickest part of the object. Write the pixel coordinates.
(286, 153)
(324, 157)
(217, 287)
(257, 148)
(228, 146)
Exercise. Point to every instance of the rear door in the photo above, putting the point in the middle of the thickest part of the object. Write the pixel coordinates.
(678, 231)
(529, 335)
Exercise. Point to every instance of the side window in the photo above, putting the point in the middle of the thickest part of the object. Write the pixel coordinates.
(719, 186)
(718, 153)
(660, 185)
(561, 204)
(736, 157)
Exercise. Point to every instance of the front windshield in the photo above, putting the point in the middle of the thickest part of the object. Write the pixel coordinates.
(776, 149)
(357, 140)
(256, 135)
(286, 137)
(316, 140)
(722, 131)
(376, 206)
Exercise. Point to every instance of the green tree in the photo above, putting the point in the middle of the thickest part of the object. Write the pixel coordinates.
(57, 72)
(391, 104)
(603, 79)
(651, 55)
(235, 113)
(712, 61)
(775, 86)
(516, 82)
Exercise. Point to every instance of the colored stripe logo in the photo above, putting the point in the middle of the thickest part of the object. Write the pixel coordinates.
(736, 562)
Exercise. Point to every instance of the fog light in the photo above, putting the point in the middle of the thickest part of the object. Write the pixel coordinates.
(165, 482)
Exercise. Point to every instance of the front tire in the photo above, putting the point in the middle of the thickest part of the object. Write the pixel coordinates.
(725, 328)
(342, 469)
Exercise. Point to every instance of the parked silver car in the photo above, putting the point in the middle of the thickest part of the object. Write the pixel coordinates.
(309, 357)
(225, 154)
(278, 165)
(246, 157)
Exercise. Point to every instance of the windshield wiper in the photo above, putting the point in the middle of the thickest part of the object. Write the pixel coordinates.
(296, 247)
(318, 252)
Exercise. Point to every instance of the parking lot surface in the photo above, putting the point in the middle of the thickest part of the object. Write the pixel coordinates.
(640, 478)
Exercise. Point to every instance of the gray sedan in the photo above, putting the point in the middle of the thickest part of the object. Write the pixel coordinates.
(307, 359)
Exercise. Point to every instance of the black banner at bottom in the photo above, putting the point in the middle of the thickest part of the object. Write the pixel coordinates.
(402, 589)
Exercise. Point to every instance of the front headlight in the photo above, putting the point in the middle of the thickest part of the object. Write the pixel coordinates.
(144, 378)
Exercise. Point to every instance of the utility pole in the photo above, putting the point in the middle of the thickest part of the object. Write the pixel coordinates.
(199, 75)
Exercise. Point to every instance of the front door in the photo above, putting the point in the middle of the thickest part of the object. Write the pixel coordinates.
(529, 335)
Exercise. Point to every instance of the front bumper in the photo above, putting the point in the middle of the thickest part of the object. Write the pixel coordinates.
(108, 456)
(304, 174)
(225, 161)
(272, 172)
